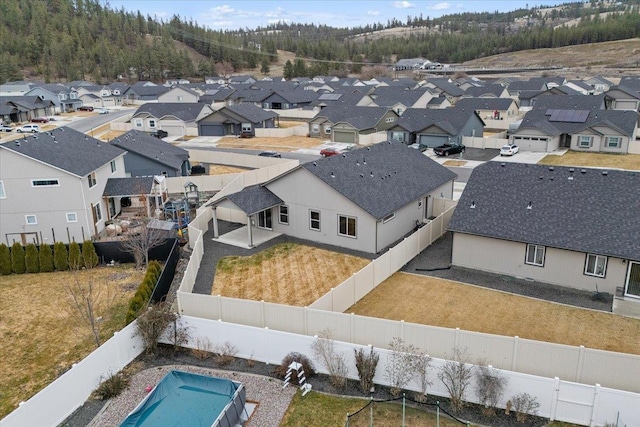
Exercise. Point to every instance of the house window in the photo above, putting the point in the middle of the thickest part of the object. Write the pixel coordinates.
(265, 105)
(596, 265)
(346, 226)
(314, 220)
(535, 255)
(72, 217)
(45, 183)
(92, 179)
(97, 212)
(3, 195)
(327, 130)
(397, 136)
(138, 123)
(389, 120)
(393, 215)
(585, 141)
(613, 142)
(113, 166)
(285, 105)
(179, 98)
(31, 219)
(283, 216)
(246, 127)
(152, 123)
(399, 111)
(315, 128)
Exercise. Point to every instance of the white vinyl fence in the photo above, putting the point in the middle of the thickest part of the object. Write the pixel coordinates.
(591, 405)
(59, 399)
(372, 138)
(302, 130)
(475, 142)
(634, 147)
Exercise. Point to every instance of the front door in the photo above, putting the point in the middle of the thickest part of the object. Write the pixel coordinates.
(264, 219)
(633, 280)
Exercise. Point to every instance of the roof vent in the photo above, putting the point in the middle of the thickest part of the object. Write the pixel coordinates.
(361, 175)
(344, 155)
(570, 178)
(605, 173)
(364, 160)
(357, 162)
(503, 164)
(18, 143)
(530, 206)
(541, 177)
(369, 148)
(571, 170)
(473, 205)
(332, 175)
(315, 164)
(371, 174)
(551, 168)
(583, 171)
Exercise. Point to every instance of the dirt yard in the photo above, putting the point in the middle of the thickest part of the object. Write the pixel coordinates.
(40, 335)
(288, 273)
(437, 302)
(599, 160)
(223, 169)
(290, 143)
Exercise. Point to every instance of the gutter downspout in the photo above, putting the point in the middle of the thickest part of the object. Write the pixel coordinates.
(84, 203)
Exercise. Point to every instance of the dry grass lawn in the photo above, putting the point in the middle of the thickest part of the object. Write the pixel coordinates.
(289, 143)
(224, 169)
(111, 134)
(432, 301)
(40, 337)
(454, 163)
(288, 273)
(599, 160)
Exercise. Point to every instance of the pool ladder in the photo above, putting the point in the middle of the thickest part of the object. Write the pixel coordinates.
(302, 379)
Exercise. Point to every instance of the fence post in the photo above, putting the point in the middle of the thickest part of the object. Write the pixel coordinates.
(514, 355)
(554, 398)
(331, 292)
(402, 330)
(305, 320)
(457, 338)
(262, 322)
(594, 407)
(266, 345)
(579, 364)
(351, 326)
(219, 306)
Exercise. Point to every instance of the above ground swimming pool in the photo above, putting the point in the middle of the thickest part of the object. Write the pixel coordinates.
(185, 399)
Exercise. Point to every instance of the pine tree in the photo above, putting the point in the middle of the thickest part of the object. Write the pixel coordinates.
(17, 258)
(89, 256)
(46, 258)
(264, 69)
(75, 256)
(288, 70)
(5, 260)
(60, 257)
(31, 259)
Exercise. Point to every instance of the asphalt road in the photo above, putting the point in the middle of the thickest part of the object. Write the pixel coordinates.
(86, 124)
(302, 157)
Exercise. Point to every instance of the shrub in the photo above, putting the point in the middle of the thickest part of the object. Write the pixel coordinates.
(225, 354)
(324, 349)
(490, 386)
(204, 348)
(17, 258)
(366, 364)
(46, 258)
(524, 405)
(111, 387)
(60, 257)
(399, 369)
(158, 321)
(281, 370)
(5, 260)
(456, 375)
(75, 256)
(31, 259)
(141, 298)
(89, 256)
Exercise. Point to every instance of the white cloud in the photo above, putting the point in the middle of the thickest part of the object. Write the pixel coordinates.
(222, 24)
(223, 10)
(440, 6)
(403, 5)
(373, 13)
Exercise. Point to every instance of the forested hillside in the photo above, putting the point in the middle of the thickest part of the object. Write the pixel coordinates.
(60, 40)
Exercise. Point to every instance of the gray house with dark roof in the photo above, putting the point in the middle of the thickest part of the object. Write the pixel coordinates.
(51, 186)
(177, 118)
(236, 120)
(149, 156)
(364, 200)
(434, 127)
(345, 123)
(566, 226)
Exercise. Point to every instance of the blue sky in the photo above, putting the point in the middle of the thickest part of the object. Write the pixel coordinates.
(231, 15)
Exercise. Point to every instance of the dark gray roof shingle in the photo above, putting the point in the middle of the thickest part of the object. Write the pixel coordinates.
(254, 199)
(381, 178)
(128, 186)
(593, 212)
(185, 111)
(153, 148)
(66, 149)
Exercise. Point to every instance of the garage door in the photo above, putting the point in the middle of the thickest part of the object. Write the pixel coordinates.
(173, 130)
(344, 136)
(432, 141)
(211, 130)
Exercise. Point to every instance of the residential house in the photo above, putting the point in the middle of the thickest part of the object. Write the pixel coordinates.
(622, 98)
(150, 156)
(364, 200)
(581, 87)
(179, 94)
(409, 64)
(236, 120)
(51, 186)
(98, 96)
(217, 98)
(445, 87)
(489, 91)
(396, 99)
(141, 92)
(18, 88)
(288, 98)
(556, 124)
(176, 118)
(434, 127)
(210, 80)
(24, 108)
(599, 84)
(551, 224)
(491, 108)
(63, 98)
(346, 123)
(241, 79)
(439, 102)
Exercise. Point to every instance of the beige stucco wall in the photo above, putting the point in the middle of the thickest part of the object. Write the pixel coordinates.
(561, 267)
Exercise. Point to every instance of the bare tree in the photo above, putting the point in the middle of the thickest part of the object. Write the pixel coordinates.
(158, 321)
(456, 375)
(490, 386)
(141, 242)
(422, 368)
(223, 69)
(89, 302)
(400, 365)
(366, 364)
(323, 348)
(376, 71)
(524, 405)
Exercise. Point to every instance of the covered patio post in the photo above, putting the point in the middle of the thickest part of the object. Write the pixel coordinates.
(250, 228)
(216, 233)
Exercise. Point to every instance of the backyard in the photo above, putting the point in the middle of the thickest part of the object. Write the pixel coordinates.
(595, 160)
(471, 308)
(289, 143)
(40, 335)
(288, 273)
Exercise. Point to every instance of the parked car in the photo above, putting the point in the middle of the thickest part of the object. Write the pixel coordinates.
(103, 111)
(160, 133)
(418, 146)
(5, 128)
(328, 152)
(270, 154)
(509, 150)
(28, 128)
(40, 120)
(85, 108)
(448, 149)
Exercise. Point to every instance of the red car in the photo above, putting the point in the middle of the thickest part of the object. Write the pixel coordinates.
(40, 120)
(328, 152)
(85, 108)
